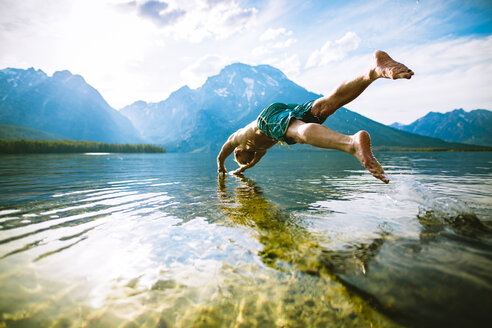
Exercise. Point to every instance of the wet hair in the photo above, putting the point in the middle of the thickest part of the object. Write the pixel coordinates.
(249, 158)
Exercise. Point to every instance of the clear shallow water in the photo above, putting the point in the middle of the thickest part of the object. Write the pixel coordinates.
(305, 240)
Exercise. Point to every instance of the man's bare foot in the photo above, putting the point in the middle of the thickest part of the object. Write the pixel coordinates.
(388, 68)
(363, 152)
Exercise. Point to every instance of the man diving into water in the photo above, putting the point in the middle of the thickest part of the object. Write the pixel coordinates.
(303, 123)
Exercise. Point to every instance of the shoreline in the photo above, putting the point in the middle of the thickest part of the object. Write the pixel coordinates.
(72, 146)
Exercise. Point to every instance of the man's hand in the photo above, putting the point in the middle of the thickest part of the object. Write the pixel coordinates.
(222, 171)
(238, 171)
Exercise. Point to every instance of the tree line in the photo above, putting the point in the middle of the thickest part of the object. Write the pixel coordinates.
(70, 146)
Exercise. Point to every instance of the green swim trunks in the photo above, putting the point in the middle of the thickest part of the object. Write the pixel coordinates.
(274, 120)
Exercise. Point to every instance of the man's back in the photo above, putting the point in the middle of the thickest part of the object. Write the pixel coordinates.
(250, 138)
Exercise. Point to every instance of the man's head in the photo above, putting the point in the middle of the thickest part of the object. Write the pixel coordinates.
(243, 157)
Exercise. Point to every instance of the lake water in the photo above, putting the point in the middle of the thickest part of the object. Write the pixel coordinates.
(303, 240)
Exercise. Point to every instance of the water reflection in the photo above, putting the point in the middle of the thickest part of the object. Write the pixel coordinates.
(282, 237)
(287, 242)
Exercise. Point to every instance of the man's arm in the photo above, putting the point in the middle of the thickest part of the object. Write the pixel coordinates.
(226, 150)
(254, 161)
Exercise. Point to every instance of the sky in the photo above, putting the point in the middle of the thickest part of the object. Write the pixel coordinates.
(145, 50)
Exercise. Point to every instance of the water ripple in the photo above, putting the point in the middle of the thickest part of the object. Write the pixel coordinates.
(119, 240)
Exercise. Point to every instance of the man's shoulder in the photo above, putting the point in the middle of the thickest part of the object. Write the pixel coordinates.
(246, 131)
(253, 126)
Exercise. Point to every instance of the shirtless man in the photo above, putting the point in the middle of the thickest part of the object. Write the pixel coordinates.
(303, 123)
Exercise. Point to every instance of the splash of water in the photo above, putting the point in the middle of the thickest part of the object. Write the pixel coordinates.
(435, 210)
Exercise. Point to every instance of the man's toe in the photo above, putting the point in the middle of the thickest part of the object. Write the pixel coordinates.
(405, 76)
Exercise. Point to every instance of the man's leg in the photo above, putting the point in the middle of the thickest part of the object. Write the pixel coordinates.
(385, 67)
(358, 145)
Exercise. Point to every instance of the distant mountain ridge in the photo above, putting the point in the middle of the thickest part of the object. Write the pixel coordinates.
(474, 127)
(63, 105)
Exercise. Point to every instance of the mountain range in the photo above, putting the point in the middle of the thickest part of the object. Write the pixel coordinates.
(64, 106)
(474, 127)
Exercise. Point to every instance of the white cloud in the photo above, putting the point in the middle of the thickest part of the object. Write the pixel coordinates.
(334, 50)
(272, 34)
(266, 49)
(290, 65)
(274, 41)
(196, 74)
(284, 44)
(261, 51)
(157, 11)
(196, 20)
